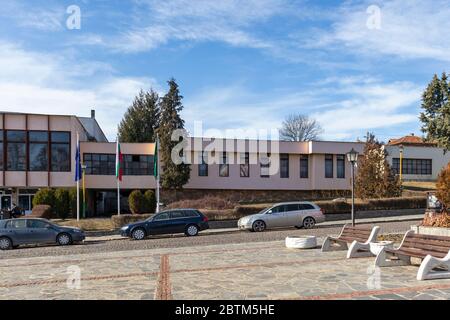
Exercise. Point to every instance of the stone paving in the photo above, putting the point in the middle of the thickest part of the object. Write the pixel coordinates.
(254, 270)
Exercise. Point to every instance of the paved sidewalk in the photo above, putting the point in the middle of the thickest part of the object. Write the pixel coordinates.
(327, 223)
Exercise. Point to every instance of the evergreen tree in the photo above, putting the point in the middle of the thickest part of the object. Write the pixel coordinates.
(436, 114)
(374, 178)
(172, 175)
(141, 119)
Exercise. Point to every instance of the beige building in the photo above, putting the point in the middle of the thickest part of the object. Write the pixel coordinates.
(38, 151)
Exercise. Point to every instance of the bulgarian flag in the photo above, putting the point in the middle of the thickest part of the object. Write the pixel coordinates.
(119, 162)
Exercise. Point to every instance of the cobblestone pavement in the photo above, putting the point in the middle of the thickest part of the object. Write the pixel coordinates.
(255, 270)
(182, 241)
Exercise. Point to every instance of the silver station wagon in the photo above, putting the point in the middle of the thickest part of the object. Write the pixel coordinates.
(281, 215)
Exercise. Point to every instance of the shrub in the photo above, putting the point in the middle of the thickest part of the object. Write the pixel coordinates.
(42, 211)
(208, 202)
(73, 201)
(136, 202)
(44, 196)
(443, 187)
(149, 201)
(62, 203)
(124, 219)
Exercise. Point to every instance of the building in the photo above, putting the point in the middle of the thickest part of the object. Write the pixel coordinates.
(38, 151)
(422, 161)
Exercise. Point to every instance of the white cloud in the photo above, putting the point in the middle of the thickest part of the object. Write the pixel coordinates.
(409, 29)
(39, 83)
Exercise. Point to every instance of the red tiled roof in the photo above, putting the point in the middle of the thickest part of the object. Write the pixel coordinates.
(410, 140)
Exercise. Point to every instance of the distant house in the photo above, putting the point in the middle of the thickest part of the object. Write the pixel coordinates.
(422, 161)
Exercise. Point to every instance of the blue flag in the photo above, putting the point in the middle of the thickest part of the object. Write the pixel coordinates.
(78, 170)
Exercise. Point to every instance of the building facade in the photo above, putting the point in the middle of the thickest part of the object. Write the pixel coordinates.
(38, 151)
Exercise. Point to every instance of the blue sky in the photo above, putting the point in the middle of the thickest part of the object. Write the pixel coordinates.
(239, 64)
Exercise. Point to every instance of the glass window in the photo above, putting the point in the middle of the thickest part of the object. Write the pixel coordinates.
(224, 167)
(284, 166)
(413, 166)
(25, 202)
(340, 166)
(277, 209)
(16, 150)
(137, 165)
(1, 151)
(61, 137)
(177, 215)
(17, 224)
(60, 157)
(304, 166)
(38, 224)
(306, 206)
(38, 136)
(244, 165)
(292, 207)
(328, 166)
(203, 164)
(265, 166)
(38, 156)
(104, 164)
(162, 216)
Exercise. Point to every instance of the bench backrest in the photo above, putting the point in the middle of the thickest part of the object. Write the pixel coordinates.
(424, 244)
(357, 233)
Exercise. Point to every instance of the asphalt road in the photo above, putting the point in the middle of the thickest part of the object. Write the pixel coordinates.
(182, 241)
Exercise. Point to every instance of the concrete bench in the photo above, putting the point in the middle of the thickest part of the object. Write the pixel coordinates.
(359, 237)
(433, 250)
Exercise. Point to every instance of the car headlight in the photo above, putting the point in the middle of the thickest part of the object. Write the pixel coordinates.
(77, 230)
(124, 228)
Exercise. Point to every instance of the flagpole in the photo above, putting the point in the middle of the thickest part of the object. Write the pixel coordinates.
(158, 174)
(118, 176)
(78, 180)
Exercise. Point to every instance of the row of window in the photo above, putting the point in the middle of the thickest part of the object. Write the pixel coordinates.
(34, 150)
(244, 170)
(105, 164)
(413, 166)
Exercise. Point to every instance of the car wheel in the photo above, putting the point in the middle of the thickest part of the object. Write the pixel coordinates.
(5, 243)
(309, 223)
(259, 226)
(64, 239)
(191, 230)
(138, 234)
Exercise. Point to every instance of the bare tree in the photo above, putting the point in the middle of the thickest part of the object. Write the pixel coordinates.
(300, 128)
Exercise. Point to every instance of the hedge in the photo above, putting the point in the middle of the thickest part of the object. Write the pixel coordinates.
(124, 219)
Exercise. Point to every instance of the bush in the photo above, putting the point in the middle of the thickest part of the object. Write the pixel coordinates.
(443, 187)
(208, 202)
(149, 201)
(124, 219)
(136, 202)
(44, 196)
(62, 203)
(73, 201)
(42, 211)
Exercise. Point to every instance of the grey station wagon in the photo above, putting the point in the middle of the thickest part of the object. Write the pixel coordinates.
(15, 232)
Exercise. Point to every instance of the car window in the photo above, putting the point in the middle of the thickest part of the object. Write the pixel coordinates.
(162, 216)
(292, 207)
(278, 209)
(190, 213)
(37, 224)
(17, 224)
(307, 206)
(177, 214)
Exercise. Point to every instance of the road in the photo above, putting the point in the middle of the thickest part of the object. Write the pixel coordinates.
(177, 241)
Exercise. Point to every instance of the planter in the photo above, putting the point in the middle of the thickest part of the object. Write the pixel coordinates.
(434, 231)
(306, 242)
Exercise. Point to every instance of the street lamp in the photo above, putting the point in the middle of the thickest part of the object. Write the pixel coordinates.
(352, 157)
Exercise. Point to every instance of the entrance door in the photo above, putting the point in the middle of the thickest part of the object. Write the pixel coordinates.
(25, 203)
(6, 202)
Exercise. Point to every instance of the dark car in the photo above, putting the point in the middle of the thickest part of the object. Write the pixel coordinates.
(187, 221)
(15, 232)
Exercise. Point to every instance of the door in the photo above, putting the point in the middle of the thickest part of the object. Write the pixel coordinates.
(292, 215)
(160, 224)
(6, 202)
(178, 221)
(25, 203)
(275, 217)
(40, 231)
(17, 228)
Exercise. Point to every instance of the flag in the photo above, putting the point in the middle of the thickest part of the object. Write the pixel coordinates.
(78, 169)
(155, 160)
(119, 162)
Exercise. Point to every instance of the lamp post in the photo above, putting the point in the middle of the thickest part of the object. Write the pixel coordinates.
(352, 157)
(401, 149)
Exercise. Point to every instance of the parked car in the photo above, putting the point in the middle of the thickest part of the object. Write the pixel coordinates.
(187, 221)
(16, 232)
(289, 214)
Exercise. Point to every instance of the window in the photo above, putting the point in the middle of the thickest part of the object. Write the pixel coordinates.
(413, 166)
(203, 164)
(306, 206)
(328, 166)
(36, 224)
(304, 169)
(292, 207)
(244, 167)
(38, 150)
(278, 209)
(265, 166)
(177, 215)
(224, 166)
(162, 216)
(340, 166)
(17, 224)
(190, 213)
(100, 164)
(60, 151)
(138, 165)
(16, 150)
(284, 166)
(1, 150)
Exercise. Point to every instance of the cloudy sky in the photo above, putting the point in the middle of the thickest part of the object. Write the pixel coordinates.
(240, 64)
